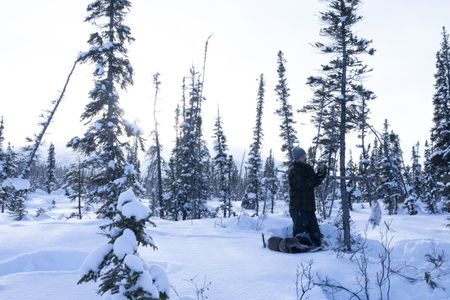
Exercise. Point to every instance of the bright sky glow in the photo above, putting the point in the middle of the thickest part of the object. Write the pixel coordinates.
(40, 40)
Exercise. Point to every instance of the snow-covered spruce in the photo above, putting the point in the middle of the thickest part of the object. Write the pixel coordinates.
(123, 273)
(51, 182)
(221, 166)
(343, 70)
(440, 133)
(190, 179)
(288, 133)
(104, 144)
(13, 188)
(389, 168)
(3, 175)
(270, 183)
(253, 193)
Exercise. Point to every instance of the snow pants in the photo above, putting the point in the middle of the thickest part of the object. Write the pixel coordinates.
(306, 228)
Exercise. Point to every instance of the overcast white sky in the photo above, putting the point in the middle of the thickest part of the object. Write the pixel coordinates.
(40, 40)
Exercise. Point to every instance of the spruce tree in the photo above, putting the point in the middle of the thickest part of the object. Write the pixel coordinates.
(440, 133)
(362, 111)
(122, 272)
(151, 180)
(288, 133)
(430, 188)
(132, 169)
(221, 166)
(270, 182)
(75, 186)
(14, 196)
(318, 108)
(51, 181)
(157, 151)
(2, 169)
(392, 188)
(343, 73)
(254, 164)
(192, 156)
(234, 182)
(118, 264)
(287, 130)
(103, 143)
(415, 184)
(354, 192)
(326, 141)
(172, 183)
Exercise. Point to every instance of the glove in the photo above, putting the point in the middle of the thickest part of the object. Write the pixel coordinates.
(322, 171)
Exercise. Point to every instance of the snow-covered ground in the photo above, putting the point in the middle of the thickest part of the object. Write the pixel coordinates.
(40, 257)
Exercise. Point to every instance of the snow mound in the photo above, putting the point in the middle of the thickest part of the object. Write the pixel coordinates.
(134, 263)
(18, 184)
(136, 209)
(160, 278)
(50, 260)
(43, 217)
(246, 222)
(125, 197)
(94, 259)
(145, 281)
(130, 206)
(270, 225)
(125, 244)
(414, 252)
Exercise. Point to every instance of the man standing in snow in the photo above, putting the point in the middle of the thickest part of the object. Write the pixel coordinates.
(302, 204)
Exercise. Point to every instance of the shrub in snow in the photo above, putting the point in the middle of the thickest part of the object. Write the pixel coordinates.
(40, 211)
(123, 273)
(375, 214)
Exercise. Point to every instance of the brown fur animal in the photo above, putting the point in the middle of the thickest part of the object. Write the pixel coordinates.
(287, 245)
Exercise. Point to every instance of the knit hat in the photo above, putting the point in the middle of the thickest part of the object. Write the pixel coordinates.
(297, 152)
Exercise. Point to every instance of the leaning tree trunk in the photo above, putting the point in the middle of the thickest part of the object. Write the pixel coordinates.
(29, 161)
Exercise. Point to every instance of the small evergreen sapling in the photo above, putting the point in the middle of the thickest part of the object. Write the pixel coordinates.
(123, 273)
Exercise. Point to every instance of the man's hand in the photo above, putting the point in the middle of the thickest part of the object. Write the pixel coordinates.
(322, 170)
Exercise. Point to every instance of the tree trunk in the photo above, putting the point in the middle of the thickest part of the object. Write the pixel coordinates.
(257, 199)
(342, 128)
(272, 198)
(79, 191)
(109, 87)
(265, 203)
(26, 171)
(158, 158)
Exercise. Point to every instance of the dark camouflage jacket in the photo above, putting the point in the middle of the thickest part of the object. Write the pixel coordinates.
(302, 181)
